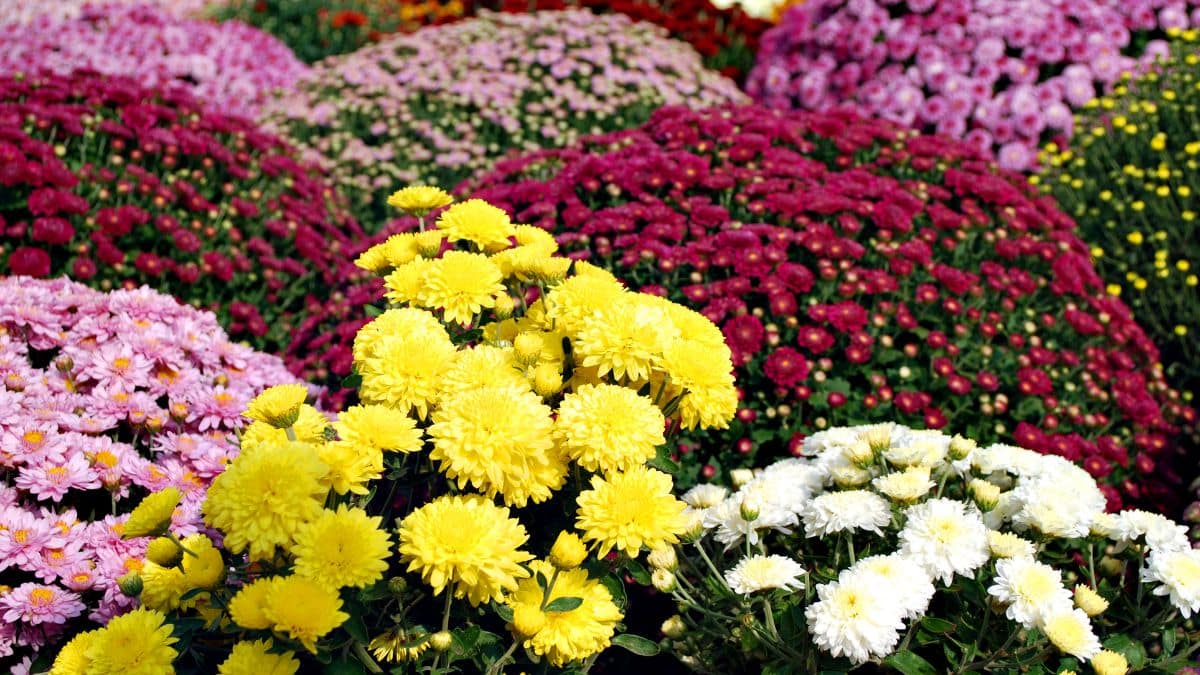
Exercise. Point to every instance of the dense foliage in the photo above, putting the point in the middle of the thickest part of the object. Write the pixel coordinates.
(865, 273)
(105, 398)
(118, 186)
(438, 105)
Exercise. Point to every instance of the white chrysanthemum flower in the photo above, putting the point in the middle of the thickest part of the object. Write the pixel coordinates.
(945, 537)
(856, 617)
(1161, 533)
(905, 486)
(1179, 574)
(830, 441)
(1071, 631)
(846, 511)
(1008, 545)
(917, 448)
(729, 518)
(705, 496)
(1007, 458)
(764, 572)
(1032, 590)
(1105, 525)
(1059, 505)
(794, 479)
(908, 582)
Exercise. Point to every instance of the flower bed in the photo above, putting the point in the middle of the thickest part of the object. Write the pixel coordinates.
(865, 273)
(444, 102)
(25, 11)
(105, 397)
(315, 29)
(117, 186)
(231, 68)
(347, 544)
(1004, 76)
(928, 554)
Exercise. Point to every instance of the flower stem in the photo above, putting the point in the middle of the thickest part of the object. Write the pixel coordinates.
(437, 660)
(365, 658)
(495, 667)
(291, 434)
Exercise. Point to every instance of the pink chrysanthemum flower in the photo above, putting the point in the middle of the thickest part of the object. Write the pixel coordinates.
(36, 603)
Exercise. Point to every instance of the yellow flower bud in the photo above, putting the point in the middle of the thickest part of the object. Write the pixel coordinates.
(961, 447)
(1089, 600)
(1109, 663)
(985, 494)
(568, 551)
(860, 454)
(527, 347)
(664, 558)
(740, 477)
(441, 640)
(663, 580)
(674, 627)
(504, 306)
(547, 379)
(527, 621)
(164, 552)
(130, 584)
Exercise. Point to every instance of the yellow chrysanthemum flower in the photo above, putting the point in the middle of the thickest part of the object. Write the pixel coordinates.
(278, 406)
(404, 321)
(379, 427)
(710, 398)
(72, 659)
(309, 428)
(303, 609)
(351, 466)
(500, 440)
(467, 542)
(399, 645)
(573, 635)
(462, 284)
(137, 643)
(342, 548)
(626, 338)
(256, 658)
(202, 568)
(418, 200)
(263, 498)
(580, 296)
(406, 283)
(152, 516)
(631, 510)
(532, 235)
(522, 262)
(693, 326)
(247, 605)
(405, 372)
(483, 366)
(479, 223)
(609, 428)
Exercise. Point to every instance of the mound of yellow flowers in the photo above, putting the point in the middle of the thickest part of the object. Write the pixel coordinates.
(503, 472)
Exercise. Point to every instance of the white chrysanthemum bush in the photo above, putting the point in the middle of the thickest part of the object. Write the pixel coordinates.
(479, 508)
(909, 549)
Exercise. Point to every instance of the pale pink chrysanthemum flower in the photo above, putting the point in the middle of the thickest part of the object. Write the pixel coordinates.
(37, 603)
(52, 480)
(216, 409)
(61, 563)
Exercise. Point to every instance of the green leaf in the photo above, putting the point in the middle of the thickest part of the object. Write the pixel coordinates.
(373, 310)
(352, 381)
(541, 581)
(638, 572)
(1168, 640)
(616, 589)
(910, 664)
(1134, 652)
(663, 462)
(940, 626)
(505, 613)
(636, 644)
(357, 629)
(465, 640)
(345, 667)
(564, 604)
(838, 385)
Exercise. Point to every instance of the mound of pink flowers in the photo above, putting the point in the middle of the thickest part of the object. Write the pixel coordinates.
(1003, 74)
(230, 66)
(103, 399)
(25, 11)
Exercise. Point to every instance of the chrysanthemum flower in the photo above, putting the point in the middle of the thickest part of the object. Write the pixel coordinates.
(467, 542)
(203, 568)
(303, 609)
(379, 427)
(1031, 589)
(855, 617)
(631, 510)
(137, 643)
(1069, 629)
(580, 296)
(246, 608)
(419, 200)
(34, 604)
(499, 439)
(153, 515)
(72, 659)
(573, 635)
(462, 284)
(399, 645)
(256, 658)
(483, 366)
(406, 282)
(1110, 663)
(263, 498)
(278, 406)
(626, 338)
(309, 427)
(945, 538)
(910, 584)
(351, 467)
(845, 511)
(710, 399)
(478, 222)
(398, 321)
(342, 548)
(405, 370)
(905, 486)
(763, 572)
(1179, 573)
(1009, 545)
(609, 428)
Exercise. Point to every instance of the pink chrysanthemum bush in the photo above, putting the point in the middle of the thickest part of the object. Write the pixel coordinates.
(899, 550)
(116, 185)
(28, 11)
(1003, 75)
(231, 67)
(862, 272)
(105, 397)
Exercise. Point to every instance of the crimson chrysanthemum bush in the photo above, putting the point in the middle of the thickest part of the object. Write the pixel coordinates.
(118, 186)
(865, 273)
(104, 397)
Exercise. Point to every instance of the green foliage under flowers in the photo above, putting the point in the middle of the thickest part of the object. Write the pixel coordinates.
(315, 29)
(1130, 179)
(913, 552)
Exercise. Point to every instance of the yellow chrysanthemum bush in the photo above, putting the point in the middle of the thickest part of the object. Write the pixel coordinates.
(481, 507)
